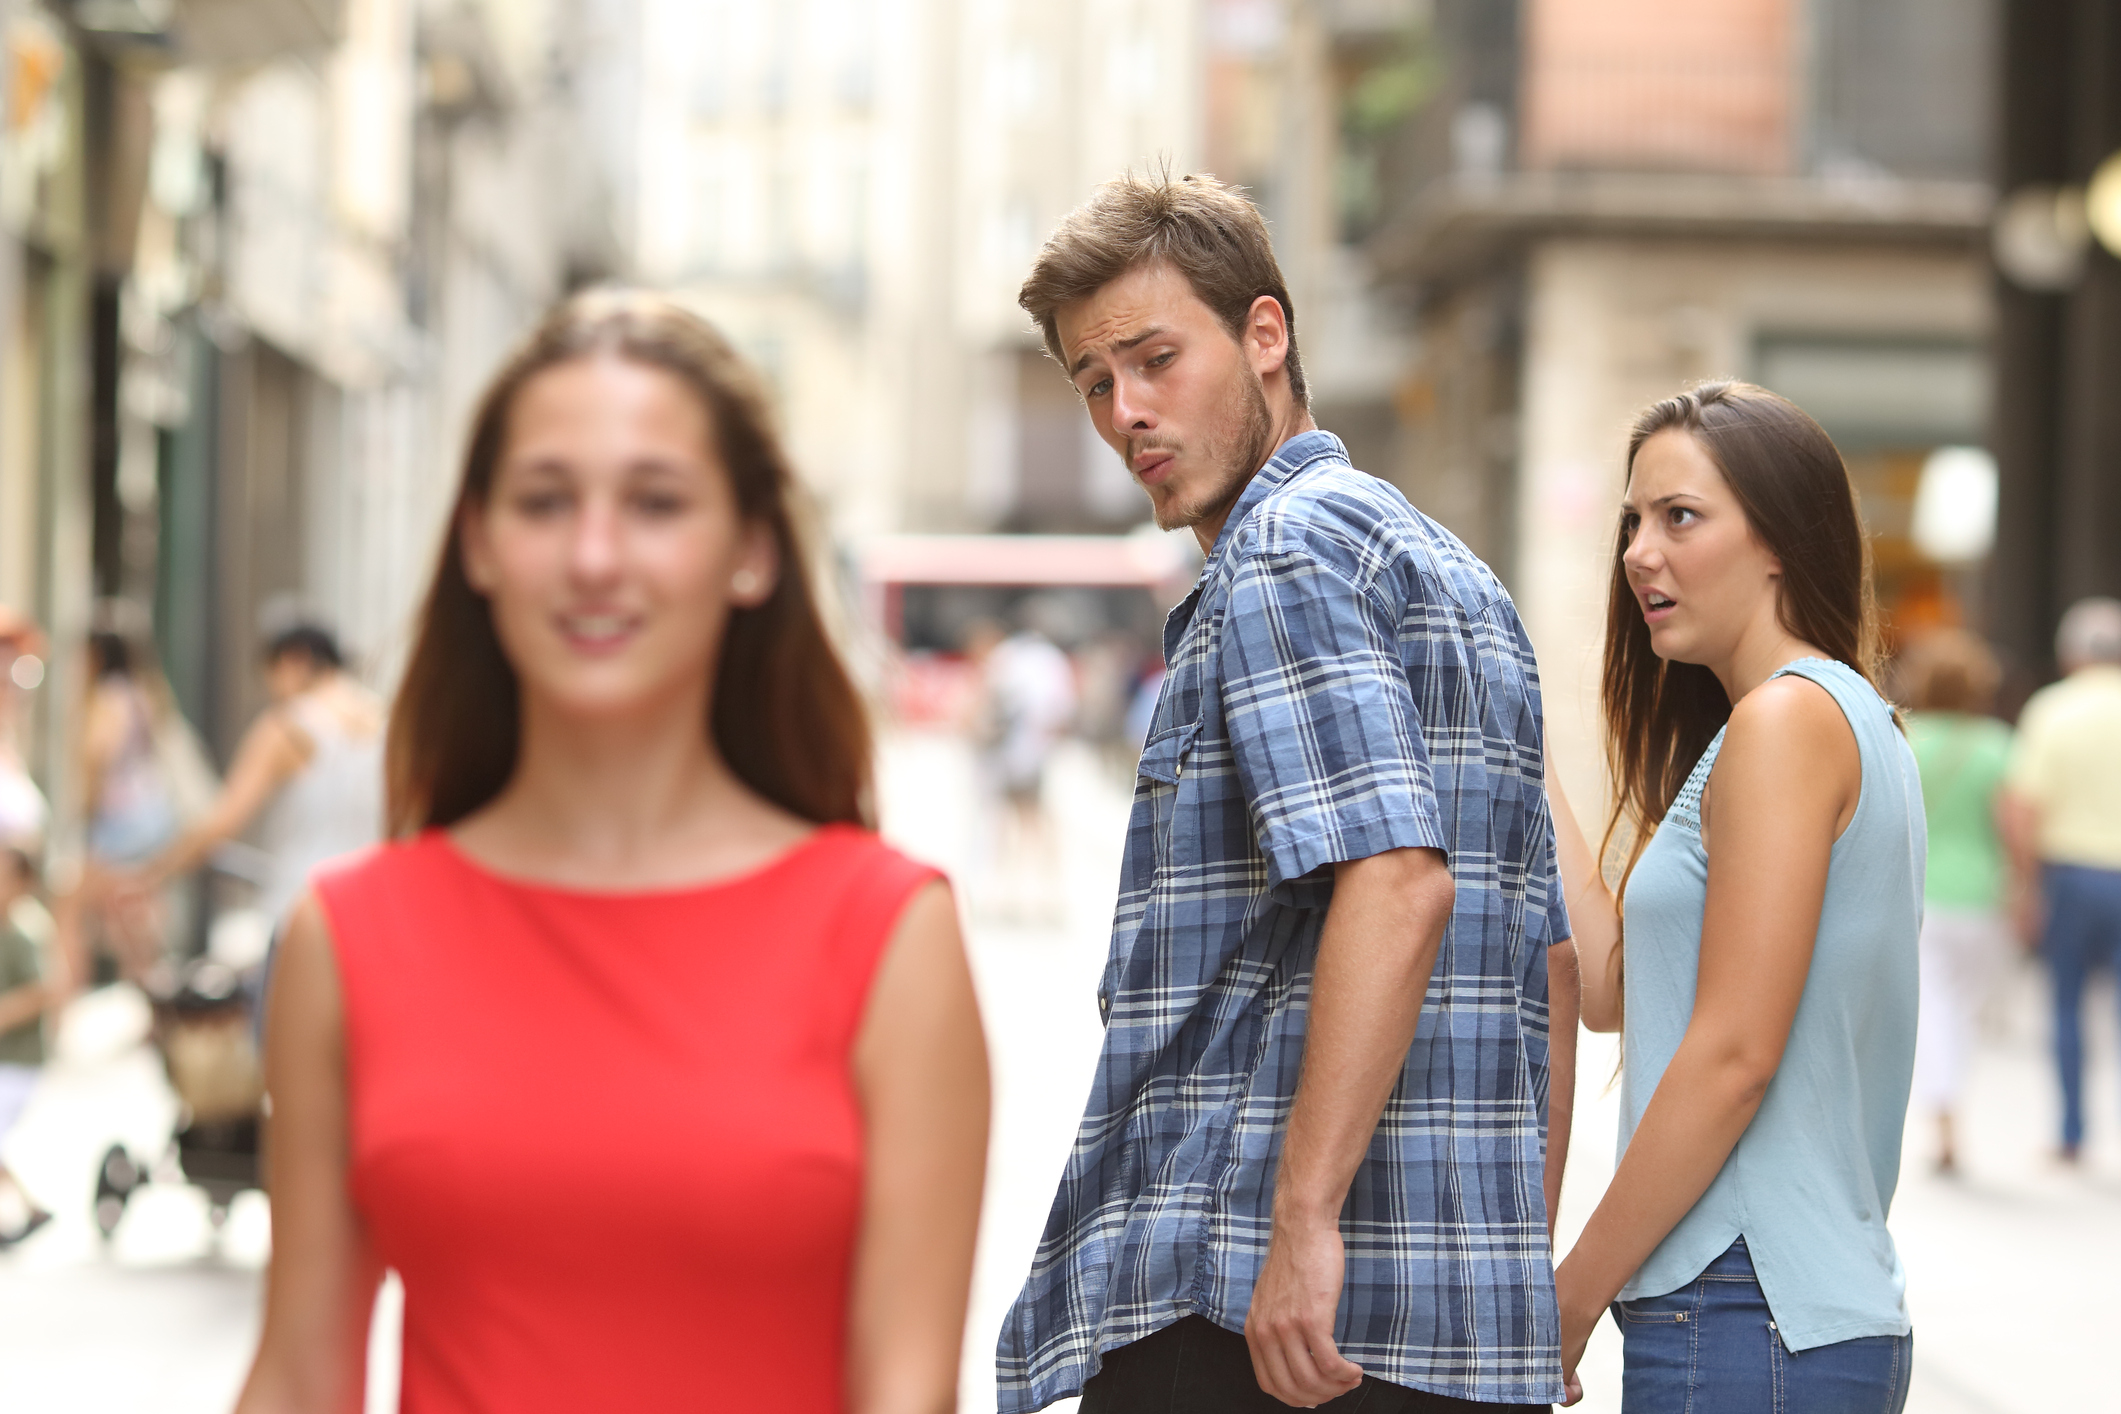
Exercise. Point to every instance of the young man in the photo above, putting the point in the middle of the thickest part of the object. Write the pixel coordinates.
(1311, 1170)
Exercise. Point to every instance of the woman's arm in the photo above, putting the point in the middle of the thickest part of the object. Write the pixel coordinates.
(321, 1286)
(920, 1066)
(1782, 790)
(1592, 912)
(271, 753)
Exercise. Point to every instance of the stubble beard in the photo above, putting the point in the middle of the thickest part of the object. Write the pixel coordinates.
(1237, 448)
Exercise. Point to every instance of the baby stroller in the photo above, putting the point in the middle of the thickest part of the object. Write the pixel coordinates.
(209, 1048)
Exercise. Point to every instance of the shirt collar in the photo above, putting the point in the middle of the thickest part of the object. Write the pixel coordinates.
(1293, 456)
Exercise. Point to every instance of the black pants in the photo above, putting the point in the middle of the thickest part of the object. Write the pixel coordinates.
(1197, 1367)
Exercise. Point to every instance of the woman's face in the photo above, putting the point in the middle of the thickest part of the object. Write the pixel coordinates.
(1701, 578)
(610, 547)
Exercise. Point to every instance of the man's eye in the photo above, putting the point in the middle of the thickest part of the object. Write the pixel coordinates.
(1163, 358)
(1098, 389)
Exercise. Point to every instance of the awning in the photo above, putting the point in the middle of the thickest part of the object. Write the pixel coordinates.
(1144, 560)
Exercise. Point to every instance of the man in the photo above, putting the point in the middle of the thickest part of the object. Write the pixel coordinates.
(2062, 816)
(1339, 831)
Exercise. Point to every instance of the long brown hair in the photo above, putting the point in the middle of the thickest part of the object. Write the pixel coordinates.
(1790, 481)
(785, 715)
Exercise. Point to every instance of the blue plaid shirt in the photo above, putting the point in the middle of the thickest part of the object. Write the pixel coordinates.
(1346, 678)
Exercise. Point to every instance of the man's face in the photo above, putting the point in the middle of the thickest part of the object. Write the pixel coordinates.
(1170, 390)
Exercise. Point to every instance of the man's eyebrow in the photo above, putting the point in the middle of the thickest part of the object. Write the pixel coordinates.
(1118, 347)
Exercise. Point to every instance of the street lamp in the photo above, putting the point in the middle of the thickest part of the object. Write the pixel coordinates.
(2040, 235)
(2102, 204)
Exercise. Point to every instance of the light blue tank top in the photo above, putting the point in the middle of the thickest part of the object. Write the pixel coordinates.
(1810, 1180)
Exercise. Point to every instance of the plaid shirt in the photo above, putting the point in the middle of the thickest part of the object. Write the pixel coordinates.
(1346, 678)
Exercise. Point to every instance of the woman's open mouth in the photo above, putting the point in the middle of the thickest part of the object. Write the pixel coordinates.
(1656, 606)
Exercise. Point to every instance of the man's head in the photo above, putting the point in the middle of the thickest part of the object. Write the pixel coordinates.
(2090, 634)
(1161, 299)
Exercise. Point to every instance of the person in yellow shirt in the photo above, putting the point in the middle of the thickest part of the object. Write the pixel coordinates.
(2064, 820)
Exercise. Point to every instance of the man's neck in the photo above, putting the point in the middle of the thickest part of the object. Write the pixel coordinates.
(1291, 420)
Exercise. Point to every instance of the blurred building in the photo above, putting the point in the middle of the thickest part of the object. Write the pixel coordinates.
(854, 190)
(2057, 426)
(1600, 202)
(259, 257)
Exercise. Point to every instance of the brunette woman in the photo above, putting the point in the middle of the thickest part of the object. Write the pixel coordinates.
(652, 1072)
(1762, 947)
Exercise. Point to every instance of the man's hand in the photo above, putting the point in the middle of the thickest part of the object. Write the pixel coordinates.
(1290, 1326)
(1580, 1311)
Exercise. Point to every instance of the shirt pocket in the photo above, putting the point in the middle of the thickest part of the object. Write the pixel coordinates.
(1161, 785)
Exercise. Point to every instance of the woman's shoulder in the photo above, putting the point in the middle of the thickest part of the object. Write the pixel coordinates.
(860, 855)
(388, 867)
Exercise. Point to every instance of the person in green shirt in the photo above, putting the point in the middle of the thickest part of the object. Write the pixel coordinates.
(25, 996)
(1949, 678)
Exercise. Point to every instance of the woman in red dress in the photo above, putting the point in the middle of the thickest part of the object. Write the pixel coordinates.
(657, 1077)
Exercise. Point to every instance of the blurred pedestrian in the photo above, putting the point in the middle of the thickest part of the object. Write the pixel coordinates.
(27, 992)
(1949, 682)
(312, 764)
(1285, 1190)
(2064, 821)
(141, 773)
(1773, 896)
(1028, 699)
(24, 812)
(654, 1074)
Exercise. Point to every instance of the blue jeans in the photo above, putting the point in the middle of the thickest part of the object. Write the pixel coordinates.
(2083, 932)
(1711, 1348)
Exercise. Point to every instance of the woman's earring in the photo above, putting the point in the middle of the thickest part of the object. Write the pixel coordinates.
(744, 583)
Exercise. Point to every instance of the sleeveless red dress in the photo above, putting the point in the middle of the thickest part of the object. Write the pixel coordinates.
(611, 1141)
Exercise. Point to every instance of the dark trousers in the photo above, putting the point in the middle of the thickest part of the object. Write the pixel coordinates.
(2083, 935)
(1197, 1367)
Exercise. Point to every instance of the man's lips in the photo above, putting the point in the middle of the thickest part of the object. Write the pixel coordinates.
(1151, 467)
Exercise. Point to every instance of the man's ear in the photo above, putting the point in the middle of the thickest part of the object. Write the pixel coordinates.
(1267, 335)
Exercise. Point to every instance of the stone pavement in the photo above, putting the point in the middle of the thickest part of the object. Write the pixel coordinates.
(2012, 1268)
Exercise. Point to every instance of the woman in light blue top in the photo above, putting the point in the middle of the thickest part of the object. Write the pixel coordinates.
(1763, 949)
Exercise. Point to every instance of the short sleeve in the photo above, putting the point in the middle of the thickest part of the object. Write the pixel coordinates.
(2029, 774)
(1321, 719)
(1546, 901)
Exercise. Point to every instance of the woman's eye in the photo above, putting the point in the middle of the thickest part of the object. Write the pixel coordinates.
(659, 503)
(541, 503)
(1680, 515)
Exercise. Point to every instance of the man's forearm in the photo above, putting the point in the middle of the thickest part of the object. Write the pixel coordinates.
(1375, 954)
(1564, 988)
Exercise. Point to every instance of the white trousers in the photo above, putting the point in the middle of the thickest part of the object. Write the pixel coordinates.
(1964, 957)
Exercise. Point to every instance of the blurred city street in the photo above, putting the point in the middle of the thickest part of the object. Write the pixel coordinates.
(2009, 1266)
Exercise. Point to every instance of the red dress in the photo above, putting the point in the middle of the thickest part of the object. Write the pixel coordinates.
(611, 1141)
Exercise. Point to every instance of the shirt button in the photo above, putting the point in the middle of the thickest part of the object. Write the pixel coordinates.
(1104, 1005)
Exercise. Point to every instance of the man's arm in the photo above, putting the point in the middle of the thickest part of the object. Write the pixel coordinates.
(1564, 994)
(1375, 953)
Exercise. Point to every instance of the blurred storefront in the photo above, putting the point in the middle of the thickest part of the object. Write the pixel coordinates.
(2057, 244)
(1610, 201)
(45, 260)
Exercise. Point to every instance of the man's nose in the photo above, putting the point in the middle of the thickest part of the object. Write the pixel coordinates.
(1131, 413)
